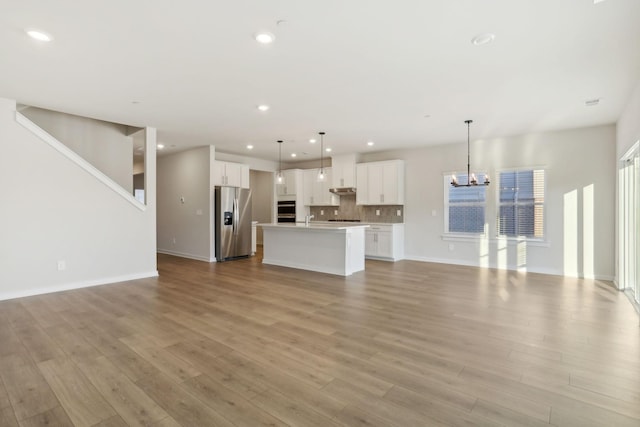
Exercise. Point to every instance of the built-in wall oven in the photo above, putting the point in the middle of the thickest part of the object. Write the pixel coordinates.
(287, 211)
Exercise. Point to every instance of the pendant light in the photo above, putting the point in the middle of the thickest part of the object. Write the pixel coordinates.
(321, 175)
(472, 181)
(279, 177)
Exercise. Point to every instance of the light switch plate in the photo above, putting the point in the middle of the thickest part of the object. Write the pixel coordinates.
(398, 212)
(335, 212)
(434, 213)
(378, 212)
(322, 212)
(199, 212)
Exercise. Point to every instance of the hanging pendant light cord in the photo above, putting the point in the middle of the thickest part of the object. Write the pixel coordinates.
(468, 122)
(321, 152)
(280, 157)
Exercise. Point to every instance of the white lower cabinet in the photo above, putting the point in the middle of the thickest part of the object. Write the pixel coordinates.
(384, 241)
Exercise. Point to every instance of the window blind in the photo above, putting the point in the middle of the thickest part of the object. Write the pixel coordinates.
(521, 211)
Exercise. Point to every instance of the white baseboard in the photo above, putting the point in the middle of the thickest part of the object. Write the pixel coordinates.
(548, 271)
(76, 285)
(185, 255)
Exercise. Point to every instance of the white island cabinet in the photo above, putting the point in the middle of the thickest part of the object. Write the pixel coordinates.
(327, 248)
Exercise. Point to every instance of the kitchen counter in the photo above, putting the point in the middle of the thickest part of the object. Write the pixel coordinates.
(317, 225)
(335, 248)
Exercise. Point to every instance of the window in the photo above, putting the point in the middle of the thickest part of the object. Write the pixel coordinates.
(464, 206)
(521, 204)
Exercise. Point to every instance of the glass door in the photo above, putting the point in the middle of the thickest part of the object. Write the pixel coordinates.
(629, 220)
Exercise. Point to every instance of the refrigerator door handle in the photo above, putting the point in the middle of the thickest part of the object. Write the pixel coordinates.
(236, 217)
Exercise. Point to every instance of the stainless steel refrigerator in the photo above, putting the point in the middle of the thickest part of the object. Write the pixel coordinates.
(232, 208)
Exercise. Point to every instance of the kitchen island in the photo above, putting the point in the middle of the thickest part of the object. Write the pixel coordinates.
(327, 248)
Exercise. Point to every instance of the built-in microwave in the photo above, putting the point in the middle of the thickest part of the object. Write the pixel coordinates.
(287, 211)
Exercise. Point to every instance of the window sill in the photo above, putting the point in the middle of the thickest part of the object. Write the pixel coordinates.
(511, 241)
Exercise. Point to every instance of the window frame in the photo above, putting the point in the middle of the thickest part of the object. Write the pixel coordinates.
(461, 234)
(498, 236)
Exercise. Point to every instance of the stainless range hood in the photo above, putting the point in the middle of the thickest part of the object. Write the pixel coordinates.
(343, 191)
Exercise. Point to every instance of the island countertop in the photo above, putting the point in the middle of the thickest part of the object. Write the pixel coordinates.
(323, 226)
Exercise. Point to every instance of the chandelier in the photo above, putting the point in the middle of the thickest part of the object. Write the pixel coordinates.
(472, 180)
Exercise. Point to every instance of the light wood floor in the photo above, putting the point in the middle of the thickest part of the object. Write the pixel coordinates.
(402, 344)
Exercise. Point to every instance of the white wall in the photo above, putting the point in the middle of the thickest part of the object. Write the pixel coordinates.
(53, 210)
(628, 128)
(574, 160)
(105, 145)
(185, 228)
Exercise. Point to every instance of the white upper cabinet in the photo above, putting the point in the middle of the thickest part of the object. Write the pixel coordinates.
(230, 174)
(344, 171)
(317, 193)
(380, 183)
(362, 184)
(292, 183)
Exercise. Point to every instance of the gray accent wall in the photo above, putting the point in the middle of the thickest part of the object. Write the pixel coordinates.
(185, 226)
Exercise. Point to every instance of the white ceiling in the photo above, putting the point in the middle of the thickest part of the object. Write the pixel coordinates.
(359, 70)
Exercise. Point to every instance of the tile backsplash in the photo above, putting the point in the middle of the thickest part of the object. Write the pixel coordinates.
(349, 210)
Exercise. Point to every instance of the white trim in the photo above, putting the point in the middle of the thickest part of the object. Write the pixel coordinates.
(631, 152)
(511, 241)
(78, 160)
(467, 237)
(185, 255)
(493, 266)
(77, 285)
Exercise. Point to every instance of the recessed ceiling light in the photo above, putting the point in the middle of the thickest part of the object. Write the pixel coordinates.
(39, 35)
(160, 146)
(313, 141)
(249, 147)
(294, 155)
(328, 150)
(263, 107)
(264, 37)
(483, 39)
(370, 143)
(597, 1)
